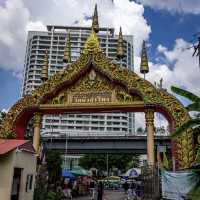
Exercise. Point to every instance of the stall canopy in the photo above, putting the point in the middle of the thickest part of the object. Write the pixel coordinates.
(134, 172)
(67, 174)
(79, 171)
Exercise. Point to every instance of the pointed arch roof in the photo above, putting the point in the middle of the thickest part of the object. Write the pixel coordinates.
(93, 56)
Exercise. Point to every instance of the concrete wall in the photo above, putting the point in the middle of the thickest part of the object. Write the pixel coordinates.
(27, 162)
(20, 159)
(6, 175)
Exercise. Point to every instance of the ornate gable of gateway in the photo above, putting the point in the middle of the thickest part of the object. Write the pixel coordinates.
(94, 80)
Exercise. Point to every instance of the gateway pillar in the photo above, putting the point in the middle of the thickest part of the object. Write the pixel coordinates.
(149, 116)
(36, 133)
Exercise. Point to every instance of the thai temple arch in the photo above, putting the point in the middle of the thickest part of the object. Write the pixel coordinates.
(93, 83)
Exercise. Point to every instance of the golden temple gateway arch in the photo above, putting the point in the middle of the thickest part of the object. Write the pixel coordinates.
(95, 84)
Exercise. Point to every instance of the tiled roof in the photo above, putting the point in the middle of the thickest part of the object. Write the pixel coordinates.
(7, 145)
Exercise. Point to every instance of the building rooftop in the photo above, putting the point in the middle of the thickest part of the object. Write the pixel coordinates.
(7, 145)
(49, 27)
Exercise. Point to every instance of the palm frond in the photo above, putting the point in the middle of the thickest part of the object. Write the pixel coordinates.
(194, 107)
(189, 124)
(186, 94)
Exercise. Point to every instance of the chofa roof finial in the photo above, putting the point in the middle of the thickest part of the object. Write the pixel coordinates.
(95, 21)
(120, 45)
(144, 67)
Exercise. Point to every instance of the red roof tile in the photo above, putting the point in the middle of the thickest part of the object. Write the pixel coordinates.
(7, 145)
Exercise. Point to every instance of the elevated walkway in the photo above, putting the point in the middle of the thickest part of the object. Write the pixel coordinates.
(103, 144)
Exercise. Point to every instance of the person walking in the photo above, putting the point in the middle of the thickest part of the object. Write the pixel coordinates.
(92, 189)
(100, 191)
(126, 187)
(129, 194)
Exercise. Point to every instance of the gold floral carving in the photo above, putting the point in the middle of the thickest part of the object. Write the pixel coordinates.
(89, 86)
(149, 117)
(92, 44)
(110, 77)
(37, 118)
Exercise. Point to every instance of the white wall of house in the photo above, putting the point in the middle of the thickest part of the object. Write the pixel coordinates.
(27, 162)
(6, 175)
(17, 159)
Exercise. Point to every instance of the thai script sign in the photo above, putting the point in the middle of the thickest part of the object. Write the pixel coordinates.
(91, 97)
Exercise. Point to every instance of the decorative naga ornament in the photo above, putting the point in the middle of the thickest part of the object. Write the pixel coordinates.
(144, 67)
(45, 67)
(67, 51)
(95, 21)
(120, 45)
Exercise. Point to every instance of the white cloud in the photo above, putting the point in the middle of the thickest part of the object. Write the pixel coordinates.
(19, 16)
(161, 48)
(159, 121)
(179, 68)
(180, 6)
(13, 19)
(4, 110)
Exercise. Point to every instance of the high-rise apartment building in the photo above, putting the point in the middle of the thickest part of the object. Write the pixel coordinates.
(54, 40)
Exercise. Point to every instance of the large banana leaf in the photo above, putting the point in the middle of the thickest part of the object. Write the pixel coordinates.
(194, 107)
(186, 94)
(189, 124)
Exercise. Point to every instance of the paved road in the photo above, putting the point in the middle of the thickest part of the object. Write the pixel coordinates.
(108, 195)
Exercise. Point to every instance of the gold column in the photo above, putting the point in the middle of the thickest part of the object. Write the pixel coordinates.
(36, 133)
(149, 116)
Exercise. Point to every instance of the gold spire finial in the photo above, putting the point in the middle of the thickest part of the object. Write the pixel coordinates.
(144, 67)
(95, 21)
(120, 45)
(45, 67)
(67, 51)
(92, 44)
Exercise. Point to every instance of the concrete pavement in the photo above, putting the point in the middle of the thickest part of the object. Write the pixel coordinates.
(108, 195)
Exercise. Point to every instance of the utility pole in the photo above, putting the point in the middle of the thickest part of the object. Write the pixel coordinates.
(107, 165)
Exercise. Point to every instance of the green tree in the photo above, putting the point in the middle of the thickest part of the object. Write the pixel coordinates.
(2, 116)
(134, 162)
(54, 162)
(99, 161)
(140, 130)
(194, 106)
(8, 135)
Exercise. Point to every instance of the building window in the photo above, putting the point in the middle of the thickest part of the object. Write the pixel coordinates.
(29, 182)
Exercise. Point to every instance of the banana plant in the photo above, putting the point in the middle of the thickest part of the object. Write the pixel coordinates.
(194, 106)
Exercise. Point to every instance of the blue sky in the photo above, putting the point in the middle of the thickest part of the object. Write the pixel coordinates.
(167, 30)
(167, 27)
(10, 89)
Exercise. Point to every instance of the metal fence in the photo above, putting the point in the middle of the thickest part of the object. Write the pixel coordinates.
(151, 182)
